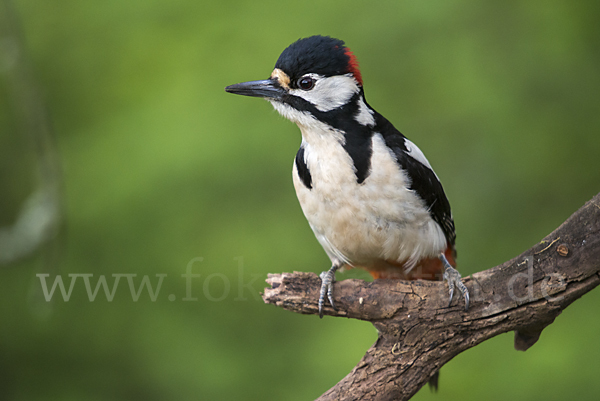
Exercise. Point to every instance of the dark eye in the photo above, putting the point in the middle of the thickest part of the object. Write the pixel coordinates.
(306, 83)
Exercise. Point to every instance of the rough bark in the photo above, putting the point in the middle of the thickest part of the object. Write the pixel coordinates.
(419, 333)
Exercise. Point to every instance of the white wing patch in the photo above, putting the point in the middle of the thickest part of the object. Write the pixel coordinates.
(365, 114)
(416, 153)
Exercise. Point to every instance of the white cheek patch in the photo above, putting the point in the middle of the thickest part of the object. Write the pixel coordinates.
(329, 93)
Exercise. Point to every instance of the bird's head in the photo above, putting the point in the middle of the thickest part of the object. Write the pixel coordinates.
(312, 76)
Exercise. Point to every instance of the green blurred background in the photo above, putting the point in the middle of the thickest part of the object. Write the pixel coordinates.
(161, 166)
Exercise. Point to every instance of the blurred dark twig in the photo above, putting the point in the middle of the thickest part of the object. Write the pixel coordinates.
(419, 333)
(40, 216)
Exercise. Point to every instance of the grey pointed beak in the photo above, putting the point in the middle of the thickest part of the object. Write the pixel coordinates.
(267, 88)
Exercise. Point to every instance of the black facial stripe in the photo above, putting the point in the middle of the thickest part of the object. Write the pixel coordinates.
(422, 179)
(303, 171)
(357, 137)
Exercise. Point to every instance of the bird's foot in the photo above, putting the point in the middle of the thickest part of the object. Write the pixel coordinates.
(453, 277)
(327, 280)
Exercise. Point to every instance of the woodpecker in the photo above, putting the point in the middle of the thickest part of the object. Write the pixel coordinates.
(368, 192)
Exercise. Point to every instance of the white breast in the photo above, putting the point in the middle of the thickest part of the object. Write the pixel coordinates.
(359, 224)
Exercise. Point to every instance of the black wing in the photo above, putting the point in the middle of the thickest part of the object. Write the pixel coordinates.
(422, 179)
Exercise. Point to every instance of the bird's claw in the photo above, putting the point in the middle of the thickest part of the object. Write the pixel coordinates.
(453, 277)
(327, 279)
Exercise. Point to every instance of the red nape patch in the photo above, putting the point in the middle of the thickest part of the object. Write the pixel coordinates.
(353, 66)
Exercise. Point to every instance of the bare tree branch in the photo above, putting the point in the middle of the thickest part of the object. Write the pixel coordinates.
(418, 333)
